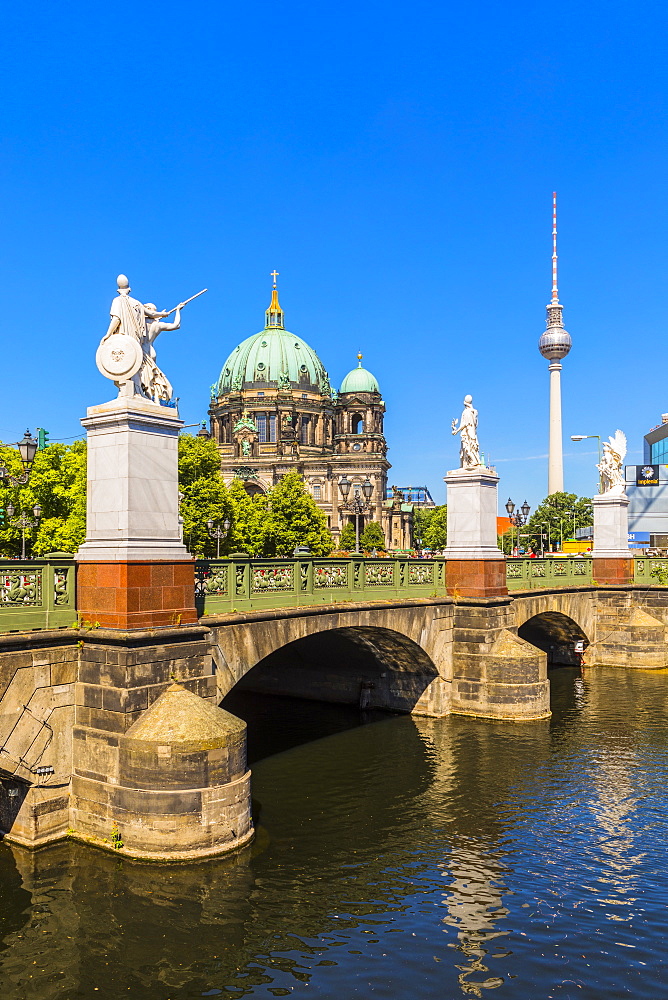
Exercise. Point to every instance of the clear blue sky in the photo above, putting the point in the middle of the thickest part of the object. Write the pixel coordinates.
(394, 162)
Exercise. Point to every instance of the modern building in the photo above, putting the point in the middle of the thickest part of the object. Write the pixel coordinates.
(273, 409)
(554, 344)
(647, 490)
(418, 496)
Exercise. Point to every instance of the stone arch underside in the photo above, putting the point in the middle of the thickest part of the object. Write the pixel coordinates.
(371, 666)
(556, 634)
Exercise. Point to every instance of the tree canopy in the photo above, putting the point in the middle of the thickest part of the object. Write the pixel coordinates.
(372, 537)
(270, 525)
(58, 484)
(555, 517)
(249, 520)
(430, 527)
(294, 519)
(348, 538)
(204, 496)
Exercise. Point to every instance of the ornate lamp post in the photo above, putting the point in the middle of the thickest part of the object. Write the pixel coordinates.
(24, 521)
(218, 533)
(357, 506)
(519, 519)
(27, 450)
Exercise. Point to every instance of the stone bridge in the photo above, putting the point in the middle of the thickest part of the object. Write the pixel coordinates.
(71, 698)
(431, 657)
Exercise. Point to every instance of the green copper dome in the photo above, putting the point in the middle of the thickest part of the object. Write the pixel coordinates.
(359, 380)
(273, 357)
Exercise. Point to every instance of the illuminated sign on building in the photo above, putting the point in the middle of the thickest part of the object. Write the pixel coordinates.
(647, 475)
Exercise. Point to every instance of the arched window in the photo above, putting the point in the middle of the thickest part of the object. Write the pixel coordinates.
(357, 424)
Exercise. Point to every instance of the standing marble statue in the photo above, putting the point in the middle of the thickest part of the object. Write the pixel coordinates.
(611, 465)
(127, 354)
(469, 449)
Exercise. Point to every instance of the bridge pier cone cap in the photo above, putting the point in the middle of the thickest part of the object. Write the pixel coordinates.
(186, 722)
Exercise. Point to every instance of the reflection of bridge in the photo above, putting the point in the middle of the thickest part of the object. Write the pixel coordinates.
(382, 633)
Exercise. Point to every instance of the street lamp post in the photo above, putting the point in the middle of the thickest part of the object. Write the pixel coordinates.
(584, 437)
(218, 532)
(569, 512)
(549, 539)
(357, 506)
(24, 521)
(27, 447)
(519, 519)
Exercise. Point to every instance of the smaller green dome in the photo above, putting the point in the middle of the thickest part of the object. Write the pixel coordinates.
(359, 380)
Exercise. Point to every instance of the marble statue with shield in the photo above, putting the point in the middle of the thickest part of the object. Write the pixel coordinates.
(133, 504)
(127, 351)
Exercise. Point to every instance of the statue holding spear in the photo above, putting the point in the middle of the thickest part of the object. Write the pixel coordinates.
(126, 353)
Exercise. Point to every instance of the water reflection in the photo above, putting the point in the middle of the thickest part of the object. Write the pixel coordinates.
(409, 857)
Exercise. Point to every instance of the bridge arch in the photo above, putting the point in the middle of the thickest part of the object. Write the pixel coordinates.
(556, 634)
(374, 666)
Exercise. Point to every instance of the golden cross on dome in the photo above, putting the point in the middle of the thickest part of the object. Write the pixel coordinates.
(274, 275)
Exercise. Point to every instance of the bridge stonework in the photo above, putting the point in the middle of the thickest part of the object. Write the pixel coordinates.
(70, 696)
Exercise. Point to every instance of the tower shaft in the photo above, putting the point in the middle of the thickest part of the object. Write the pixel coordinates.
(554, 345)
(555, 463)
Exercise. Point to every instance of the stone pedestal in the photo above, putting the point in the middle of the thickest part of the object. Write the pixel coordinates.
(134, 570)
(613, 560)
(475, 566)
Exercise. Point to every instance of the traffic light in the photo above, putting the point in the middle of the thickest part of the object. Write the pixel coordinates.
(42, 439)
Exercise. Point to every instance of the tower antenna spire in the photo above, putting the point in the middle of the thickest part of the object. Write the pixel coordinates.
(555, 291)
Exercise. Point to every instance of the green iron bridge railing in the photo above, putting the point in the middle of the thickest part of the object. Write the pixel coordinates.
(241, 584)
(37, 594)
(529, 574)
(41, 593)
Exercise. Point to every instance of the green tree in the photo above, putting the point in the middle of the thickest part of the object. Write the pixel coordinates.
(372, 537)
(295, 519)
(250, 520)
(430, 527)
(555, 517)
(204, 496)
(348, 538)
(58, 484)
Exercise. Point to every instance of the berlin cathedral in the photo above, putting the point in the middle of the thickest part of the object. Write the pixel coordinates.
(273, 409)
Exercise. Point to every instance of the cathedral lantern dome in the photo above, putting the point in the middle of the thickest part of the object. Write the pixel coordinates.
(275, 358)
(359, 380)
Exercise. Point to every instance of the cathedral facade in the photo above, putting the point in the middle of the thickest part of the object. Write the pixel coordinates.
(273, 409)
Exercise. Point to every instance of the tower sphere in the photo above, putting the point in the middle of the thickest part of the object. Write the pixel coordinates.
(555, 343)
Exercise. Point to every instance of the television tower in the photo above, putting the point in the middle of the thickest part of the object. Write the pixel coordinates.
(554, 345)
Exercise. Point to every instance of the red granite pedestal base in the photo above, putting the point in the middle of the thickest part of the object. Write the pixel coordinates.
(129, 595)
(476, 577)
(612, 571)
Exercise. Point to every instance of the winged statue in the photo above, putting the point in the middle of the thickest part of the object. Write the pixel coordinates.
(611, 466)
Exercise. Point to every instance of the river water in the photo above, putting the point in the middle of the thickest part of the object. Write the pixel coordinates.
(401, 858)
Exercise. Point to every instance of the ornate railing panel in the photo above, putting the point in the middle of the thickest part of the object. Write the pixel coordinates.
(39, 594)
(651, 570)
(279, 583)
(527, 574)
